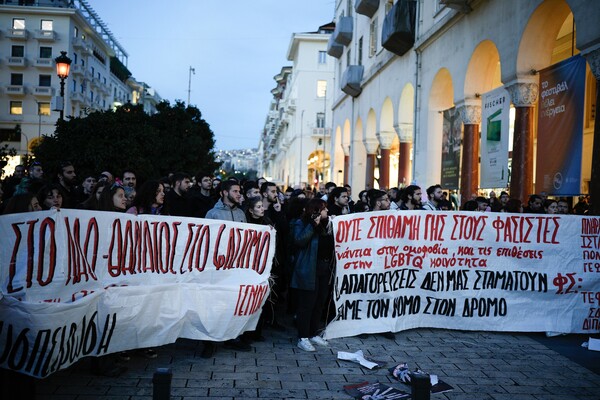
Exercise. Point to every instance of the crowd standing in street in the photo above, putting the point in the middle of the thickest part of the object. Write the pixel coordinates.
(304, 263)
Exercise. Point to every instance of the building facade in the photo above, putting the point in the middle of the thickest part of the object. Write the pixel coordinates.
(297, 135)
(400, 65)
(32, 35)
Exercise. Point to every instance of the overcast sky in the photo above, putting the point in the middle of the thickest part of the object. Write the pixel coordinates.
(235, 47)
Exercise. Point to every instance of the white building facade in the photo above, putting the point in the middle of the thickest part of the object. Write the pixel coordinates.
(294, 146)
(32, 35)
(393, 84)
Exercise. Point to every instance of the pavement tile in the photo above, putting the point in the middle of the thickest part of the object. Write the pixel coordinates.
(236, 393)
(479, 365)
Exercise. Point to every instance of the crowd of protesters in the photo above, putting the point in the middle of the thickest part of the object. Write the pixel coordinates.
(304, 260)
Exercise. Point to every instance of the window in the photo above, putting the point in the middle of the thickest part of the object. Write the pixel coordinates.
(46, 25)
(373, 38)
(320, 120)
(16, 108)
(17, 51)
(360, 50)
(16, 79)
(93, 72)
(74, 85)
(321, 88)
(348, 59)
(82, 88)
(43, 108)
(349, 5)
(322, 57)
(92, 96)
(45, 52)
(75, 32)
(74, 58)
(45, 80)
(18, 23)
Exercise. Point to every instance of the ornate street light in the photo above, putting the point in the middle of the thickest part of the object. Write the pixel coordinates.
(63, 65)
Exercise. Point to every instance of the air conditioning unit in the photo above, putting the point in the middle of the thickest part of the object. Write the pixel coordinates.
(460, 5)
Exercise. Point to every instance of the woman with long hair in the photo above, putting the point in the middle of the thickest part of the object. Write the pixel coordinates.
(113, 198)
(23, 202)
(149, 199)
(312, 239)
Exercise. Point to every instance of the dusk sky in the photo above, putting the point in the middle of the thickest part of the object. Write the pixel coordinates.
(235, 47)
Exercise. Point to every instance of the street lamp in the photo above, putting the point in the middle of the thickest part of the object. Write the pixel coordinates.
(63, 65)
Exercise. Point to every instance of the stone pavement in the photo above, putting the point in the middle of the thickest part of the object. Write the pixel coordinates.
(479, 365)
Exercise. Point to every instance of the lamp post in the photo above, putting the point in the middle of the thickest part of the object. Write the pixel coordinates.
(63, 65)
(192, 71)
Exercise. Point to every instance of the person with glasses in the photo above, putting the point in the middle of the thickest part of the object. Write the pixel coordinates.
(337, 201)
(378, 200)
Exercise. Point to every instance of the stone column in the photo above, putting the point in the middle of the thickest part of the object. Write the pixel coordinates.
(371, 147)
(404, 132)
(470, 114)
(524, 96)
(385, 142)
(593, 60)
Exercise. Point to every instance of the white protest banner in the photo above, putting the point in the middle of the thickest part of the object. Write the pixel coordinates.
(80, 283)
(466, 270)
(494, 138)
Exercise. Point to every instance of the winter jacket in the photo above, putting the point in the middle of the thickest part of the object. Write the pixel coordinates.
(305, 242)
(224, 212)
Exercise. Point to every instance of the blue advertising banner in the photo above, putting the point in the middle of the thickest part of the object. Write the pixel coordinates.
(560, 128)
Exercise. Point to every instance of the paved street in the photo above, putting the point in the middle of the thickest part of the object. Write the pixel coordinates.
(479, 365)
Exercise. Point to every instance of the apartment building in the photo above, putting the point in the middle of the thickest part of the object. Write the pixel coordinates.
(294, 145)
(32, 35)
(401, 66)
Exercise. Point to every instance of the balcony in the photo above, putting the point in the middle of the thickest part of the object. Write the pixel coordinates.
(351, 80)
(45, 36)
(76, 97)
(343, 31)
(15, 90)
(334, 49)
(44, 63)
(77, 70)
(17, 34)
(319, 133)
(43, 91)
(19, 62)
(366, 7)
(398, 31)
(79, 44)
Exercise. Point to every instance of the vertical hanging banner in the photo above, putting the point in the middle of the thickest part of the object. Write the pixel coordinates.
(560, 127)
(451, 141)
(494, 138)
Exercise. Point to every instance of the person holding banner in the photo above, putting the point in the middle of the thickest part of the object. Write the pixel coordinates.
(113, 199)
(149, 200)
(312, 237)
(228, 208)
